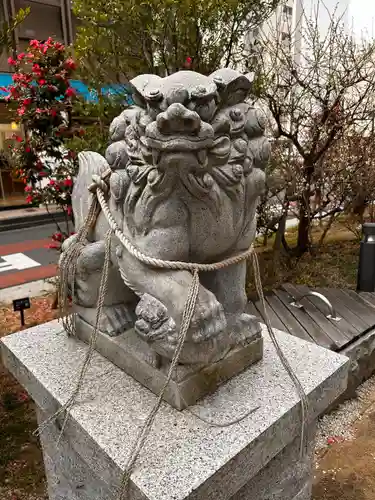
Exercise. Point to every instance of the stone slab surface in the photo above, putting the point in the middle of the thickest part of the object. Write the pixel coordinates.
(189, 384)
(68, 475)
(184, 457)
(285, 476)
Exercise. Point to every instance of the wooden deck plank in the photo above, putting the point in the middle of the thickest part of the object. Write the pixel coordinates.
(292, 326)
(340, 303)
(251, 309)
(330, 328)
(344, 324)
(368, 297)
(276, 322)
(358, 307)
(313, 329)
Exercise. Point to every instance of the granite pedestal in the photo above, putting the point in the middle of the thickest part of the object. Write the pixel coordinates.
(184, 458)
(189, 383)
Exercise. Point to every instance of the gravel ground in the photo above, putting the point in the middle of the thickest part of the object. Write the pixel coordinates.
(339, 424)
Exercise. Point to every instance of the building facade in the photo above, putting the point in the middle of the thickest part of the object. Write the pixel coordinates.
(290, 17)
(47, 18)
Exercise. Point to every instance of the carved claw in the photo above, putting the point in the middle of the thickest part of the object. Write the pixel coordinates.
(209, 318)
(244, 328)
(116, 319)
(154, 324)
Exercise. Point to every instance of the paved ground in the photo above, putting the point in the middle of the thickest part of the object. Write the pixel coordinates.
(25, 256)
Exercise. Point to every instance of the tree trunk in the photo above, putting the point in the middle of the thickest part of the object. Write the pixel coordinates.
(303, 240)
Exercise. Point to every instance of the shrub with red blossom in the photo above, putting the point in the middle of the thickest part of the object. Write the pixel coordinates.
(41, 98)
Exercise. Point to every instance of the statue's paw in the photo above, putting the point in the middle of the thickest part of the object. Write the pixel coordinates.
(153, 323)
(245, 328)
(116, 319)
(208, 319)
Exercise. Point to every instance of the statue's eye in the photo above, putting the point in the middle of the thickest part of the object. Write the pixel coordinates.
(205, 108)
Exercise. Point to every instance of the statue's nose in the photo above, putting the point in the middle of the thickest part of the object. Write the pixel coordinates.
(178, 119)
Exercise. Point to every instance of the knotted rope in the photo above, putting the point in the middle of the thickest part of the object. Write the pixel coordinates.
(68, 270)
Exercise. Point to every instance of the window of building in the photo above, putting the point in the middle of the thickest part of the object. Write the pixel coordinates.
(12, 191)
(43, 21)
(288, 10)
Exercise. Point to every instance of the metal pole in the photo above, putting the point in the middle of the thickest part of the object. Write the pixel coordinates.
(366, 265)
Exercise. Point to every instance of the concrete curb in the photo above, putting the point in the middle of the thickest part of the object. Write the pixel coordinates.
(31, 289)
(25, 221)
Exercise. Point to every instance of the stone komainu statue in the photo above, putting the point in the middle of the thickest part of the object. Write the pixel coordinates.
(186, 166)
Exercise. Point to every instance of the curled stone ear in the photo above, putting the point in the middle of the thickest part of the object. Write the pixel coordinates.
(116, 155)
(119, 183)
(233, 87)
(117, 128)
(256, 123)
(260, 150)
(144, 87)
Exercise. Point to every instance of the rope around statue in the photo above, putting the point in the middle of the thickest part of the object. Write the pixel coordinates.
(68, 268)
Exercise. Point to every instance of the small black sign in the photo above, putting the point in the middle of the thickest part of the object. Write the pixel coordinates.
(21, 304)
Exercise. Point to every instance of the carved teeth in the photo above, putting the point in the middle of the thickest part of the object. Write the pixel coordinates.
(202, 156)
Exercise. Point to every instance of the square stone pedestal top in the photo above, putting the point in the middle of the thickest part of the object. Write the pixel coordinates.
(184, 457)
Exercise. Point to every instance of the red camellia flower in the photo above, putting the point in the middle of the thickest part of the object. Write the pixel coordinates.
(27, 102)
(28, 189)
(42, 82)
(59, 46)
(27, 149)
(29, 199)
(18, 138)
(21, 56)
(52, 182)
(57, 236)
(34, 44)
(70, 64)
(189, 60)
(68, 183)
(11, 61)
(21, 111)
(53, 112)
(70, 92)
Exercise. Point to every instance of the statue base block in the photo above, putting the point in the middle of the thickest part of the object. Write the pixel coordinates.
(189, 383)
(184, 457)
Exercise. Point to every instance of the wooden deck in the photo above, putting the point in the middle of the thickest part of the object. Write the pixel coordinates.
(311, 318)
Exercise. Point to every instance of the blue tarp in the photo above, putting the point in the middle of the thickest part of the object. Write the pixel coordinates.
(80, 87)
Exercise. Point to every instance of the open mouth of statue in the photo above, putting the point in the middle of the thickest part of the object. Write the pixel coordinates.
(177, 143)
(192, 147)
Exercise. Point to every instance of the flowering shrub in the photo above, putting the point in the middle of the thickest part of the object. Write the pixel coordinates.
(41, 97)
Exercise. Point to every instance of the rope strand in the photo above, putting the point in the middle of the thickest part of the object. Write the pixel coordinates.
(65, 408)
